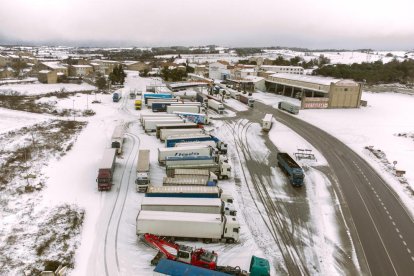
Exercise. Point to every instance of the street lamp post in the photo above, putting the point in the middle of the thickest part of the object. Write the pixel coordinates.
(73, 108)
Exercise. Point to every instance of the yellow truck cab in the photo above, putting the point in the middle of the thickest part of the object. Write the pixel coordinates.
(138, 104)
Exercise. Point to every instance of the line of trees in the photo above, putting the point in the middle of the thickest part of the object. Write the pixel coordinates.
(372, 73)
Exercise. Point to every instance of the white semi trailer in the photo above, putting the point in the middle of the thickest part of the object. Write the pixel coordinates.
(143, 171)
(206, 227)
(195, 172)
(184, 108)
(147, 116)
(188, 205)
(166, 132)
(216, 106)
(193, 180)
(151, 125)
(200, 150)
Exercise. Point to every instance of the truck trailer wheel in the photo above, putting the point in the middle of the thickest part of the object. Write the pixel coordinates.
(230, 240)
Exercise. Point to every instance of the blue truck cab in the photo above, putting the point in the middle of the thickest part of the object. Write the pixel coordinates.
(116, 96)
(292, 169)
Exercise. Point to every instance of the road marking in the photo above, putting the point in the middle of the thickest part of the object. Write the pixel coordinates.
(393, 223)
(390, 217)
(401, 237)
(386, 211)
(412, 258)
(408, 250)
(404, 243)
(398, 230)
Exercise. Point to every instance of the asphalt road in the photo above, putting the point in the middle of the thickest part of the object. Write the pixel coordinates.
(384, 227)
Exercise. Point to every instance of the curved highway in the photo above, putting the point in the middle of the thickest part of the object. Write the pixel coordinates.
(384, 227)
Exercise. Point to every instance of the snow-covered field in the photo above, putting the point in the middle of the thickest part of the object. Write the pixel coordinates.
(377, 125)
(108, 234)
(41, 88)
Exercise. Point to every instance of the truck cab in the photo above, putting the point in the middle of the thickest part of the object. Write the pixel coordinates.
(222, 147)
(142, 181)
(138, 104)
(226, 198)
(228, 209)
(250, 102)
(231, 229)
(225, 170)
(297, 177)
(116, 97)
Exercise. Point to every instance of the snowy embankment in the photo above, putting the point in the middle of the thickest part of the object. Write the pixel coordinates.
(41, 88)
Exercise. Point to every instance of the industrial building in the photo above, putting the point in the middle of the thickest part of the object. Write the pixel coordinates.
(316, 91)
(283, 69)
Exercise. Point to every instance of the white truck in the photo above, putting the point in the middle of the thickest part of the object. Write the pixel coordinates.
(185, 108)
(188, 205)
(117, 138)
(143, 171)
(151, 125)
(182, 125)
(151, 101)
(189, 191)
(147, 116)
(205, 227)
(267, 122)
(202, 150)
(198, 143)
(193, 180)
(166, 132)
(221, 169)
(193, 172)
(216, 106)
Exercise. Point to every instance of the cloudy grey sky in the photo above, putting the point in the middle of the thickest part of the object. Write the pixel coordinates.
(348, 24)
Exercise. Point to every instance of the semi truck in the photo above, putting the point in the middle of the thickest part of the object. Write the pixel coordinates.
(198, 143)
(188, 205)
(216, 106)
(202, 150)
(164, 131)
(138, 104)
(147, 116)
(205, 227)
(188, 108)
(143, 178)
(202, 98)
(291, 108)
(195, 160)
(117, 138)
(116, 96)
(267, 122)
(147, 96)
(171, 141)
(189, 191)
(198, 118)
(246, 100)
(292, 169)
(151, 125)
(106, 170)
(193, 180)
(221, 169)
(193, 172)
(151, 101)
(160, 106)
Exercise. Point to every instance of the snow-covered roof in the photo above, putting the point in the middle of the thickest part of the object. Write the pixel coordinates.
(279, 66)
(312, 79)
(186, 84)
(82, 66)
(179, 216)
(44, 71)
(181, 201)
(54, 65)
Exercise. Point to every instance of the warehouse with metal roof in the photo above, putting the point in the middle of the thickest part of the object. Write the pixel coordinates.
(316, 91)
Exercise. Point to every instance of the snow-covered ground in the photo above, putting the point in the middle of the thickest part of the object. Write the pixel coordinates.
(377, 125)
(41, 88)
(71, 179)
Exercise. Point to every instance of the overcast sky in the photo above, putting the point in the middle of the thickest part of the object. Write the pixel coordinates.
(348, 24)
